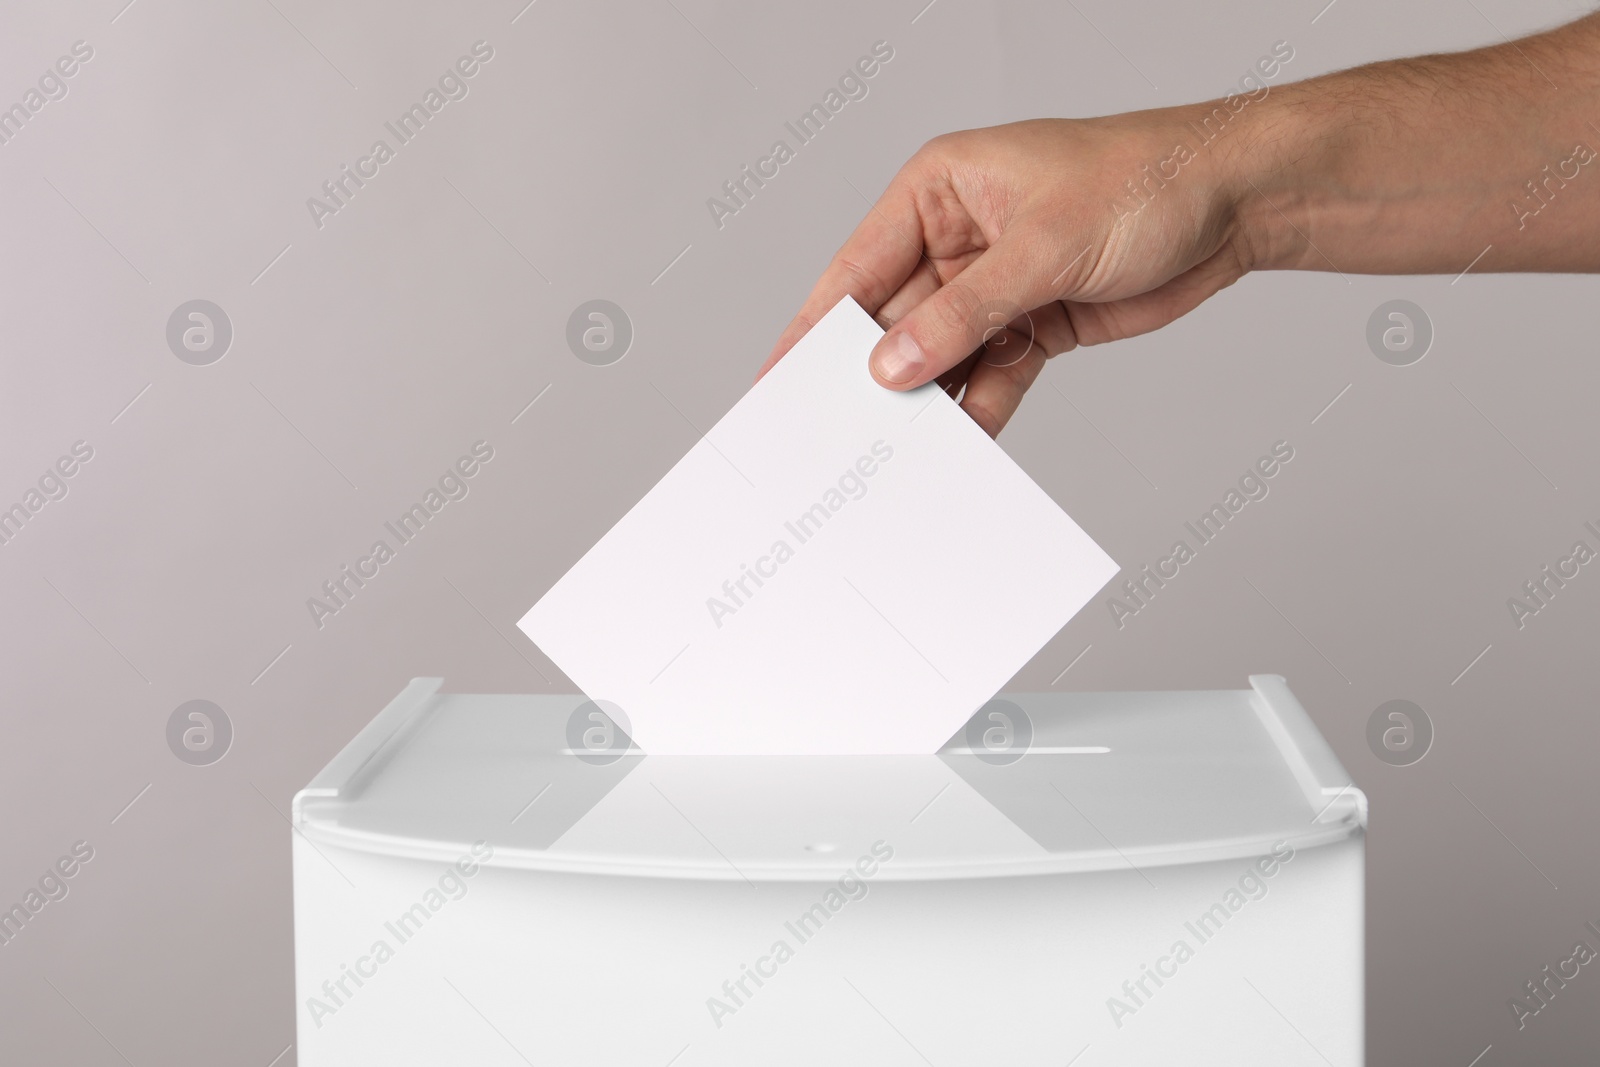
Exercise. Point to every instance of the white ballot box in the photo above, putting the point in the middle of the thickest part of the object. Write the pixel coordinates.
(1105, 878)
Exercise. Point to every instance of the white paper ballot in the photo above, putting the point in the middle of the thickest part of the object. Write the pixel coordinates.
(835, 568)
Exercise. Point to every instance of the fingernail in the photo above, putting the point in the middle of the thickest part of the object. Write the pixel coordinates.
(899, 359)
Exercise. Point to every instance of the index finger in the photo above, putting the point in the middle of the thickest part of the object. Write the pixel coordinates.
(876, 260)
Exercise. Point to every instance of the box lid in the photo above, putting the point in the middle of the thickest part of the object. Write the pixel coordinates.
(1036, 783)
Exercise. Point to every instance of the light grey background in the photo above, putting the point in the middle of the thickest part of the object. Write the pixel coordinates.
(370, 354)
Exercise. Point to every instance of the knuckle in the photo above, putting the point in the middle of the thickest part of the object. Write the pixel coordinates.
(1057, 333)
(1007, 347)
(801, 326)
(937, 156)
(862, 282)
(983, 414)
(958, 312)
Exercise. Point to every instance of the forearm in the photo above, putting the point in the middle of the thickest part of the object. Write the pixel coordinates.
(1419, 165)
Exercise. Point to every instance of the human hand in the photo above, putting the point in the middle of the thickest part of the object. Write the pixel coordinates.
(994, 249)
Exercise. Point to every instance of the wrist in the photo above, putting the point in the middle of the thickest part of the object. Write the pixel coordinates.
(1420, 165)
(1280, 173)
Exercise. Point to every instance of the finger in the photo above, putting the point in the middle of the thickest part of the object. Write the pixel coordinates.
(954, 380)
(873, 263)
(994, 390)
(923, 283)
(1043, 333)
(1010, 362)
(942, 330)
(1048, 327)
(1133, 315)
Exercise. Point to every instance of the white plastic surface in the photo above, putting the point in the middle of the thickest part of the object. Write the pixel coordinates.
(515, 967)
(469, 890)
(1110, 781)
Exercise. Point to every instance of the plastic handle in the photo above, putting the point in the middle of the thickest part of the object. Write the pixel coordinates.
(357, 761)
(1322, 778)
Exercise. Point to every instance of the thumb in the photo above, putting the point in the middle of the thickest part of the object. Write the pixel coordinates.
(955, 321)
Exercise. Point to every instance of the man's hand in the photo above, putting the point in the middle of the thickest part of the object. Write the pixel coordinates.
(994, 249)
(991, 239)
